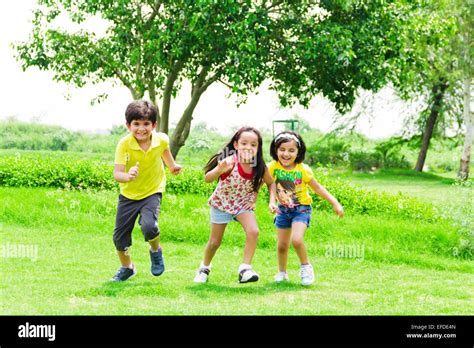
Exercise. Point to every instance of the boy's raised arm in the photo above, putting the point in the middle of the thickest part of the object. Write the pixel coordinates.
(167, 156)
(122, 176)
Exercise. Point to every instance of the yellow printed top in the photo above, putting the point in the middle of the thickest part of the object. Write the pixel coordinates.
(292, 185)
(151, 172)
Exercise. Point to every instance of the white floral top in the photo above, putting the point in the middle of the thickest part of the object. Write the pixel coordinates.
(233, 191)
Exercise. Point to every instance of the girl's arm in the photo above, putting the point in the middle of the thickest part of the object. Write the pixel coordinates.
(167, 156)
(321, 191)
(222, 167)
(267, 178)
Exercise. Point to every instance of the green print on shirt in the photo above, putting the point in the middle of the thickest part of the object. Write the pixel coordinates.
(286, 175)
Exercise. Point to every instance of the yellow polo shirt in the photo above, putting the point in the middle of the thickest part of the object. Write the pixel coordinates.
(151, 171)
(292, 185)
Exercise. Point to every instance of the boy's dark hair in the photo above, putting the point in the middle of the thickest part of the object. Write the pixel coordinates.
(259, 170)
(140, 110)
(281, 138)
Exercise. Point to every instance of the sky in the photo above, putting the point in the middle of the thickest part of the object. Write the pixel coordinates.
(33, 96)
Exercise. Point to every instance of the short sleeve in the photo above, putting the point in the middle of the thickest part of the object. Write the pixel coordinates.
(271, 168)
(121, 154)
(164, 141)
(307, 173)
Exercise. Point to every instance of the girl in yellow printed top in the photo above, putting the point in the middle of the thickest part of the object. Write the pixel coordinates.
(293, 179)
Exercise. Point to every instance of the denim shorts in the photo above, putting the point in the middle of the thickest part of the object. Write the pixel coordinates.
(286, 216)
(221, 217)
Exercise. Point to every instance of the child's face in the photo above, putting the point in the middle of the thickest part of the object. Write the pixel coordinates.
(287, 153)
(141, 129)
(247, 146)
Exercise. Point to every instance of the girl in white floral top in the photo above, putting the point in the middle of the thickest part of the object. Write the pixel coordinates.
(241, 170)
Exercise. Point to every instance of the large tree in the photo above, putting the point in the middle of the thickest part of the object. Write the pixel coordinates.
(152, 47)
(429, 68)
(465, 48)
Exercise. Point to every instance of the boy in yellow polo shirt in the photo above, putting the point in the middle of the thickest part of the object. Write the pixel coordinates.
(141, 175)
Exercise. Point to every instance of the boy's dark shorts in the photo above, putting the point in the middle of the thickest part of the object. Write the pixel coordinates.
(127, 213)
(286, 216)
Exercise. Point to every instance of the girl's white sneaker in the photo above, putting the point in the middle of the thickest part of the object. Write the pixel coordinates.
(307, 274)
(202, 275)
(281, 276)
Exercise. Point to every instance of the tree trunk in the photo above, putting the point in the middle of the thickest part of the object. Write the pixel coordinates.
(167, 94)
(181, 133)
(438, 95)
(183, 127)
(153, 98)
(463, 173)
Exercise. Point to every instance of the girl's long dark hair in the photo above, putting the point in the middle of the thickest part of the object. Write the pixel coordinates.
(258, 170)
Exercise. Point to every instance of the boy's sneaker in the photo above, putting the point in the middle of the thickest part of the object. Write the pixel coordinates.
(307, 274)
(202, 275)
(157, 263)
(124, 273)
(248, 275)
(281, 276)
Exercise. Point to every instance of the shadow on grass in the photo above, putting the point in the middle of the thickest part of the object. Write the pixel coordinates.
(128, 289)
(205, 290)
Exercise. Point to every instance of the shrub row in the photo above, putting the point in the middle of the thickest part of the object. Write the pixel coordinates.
(62, 172)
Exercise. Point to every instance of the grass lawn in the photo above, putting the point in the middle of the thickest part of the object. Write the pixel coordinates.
(456, 200)
(401, 267)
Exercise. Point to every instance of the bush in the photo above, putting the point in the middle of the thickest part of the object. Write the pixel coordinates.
(328, 151)
(54, 170)
(357, 200)
(365, 161)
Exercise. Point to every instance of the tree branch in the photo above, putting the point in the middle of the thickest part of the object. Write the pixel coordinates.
(156, 9)
(225, 83)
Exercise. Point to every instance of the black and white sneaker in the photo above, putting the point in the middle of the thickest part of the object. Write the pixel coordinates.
(202, 275)
(124, 273)
(248, 275)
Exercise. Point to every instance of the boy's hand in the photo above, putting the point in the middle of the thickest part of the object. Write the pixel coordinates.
(273, 208)
(338, 210)
(133, 172)
(226, 165)
(176, 169)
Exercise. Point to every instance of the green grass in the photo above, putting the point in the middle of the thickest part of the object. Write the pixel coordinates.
(456, 200)
(406, 268)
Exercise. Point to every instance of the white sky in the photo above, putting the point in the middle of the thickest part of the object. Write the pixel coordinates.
(33, 95)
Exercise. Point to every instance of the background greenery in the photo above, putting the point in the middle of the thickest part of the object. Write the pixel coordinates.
(413, 235)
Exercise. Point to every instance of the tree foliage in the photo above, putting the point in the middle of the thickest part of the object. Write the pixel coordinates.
(152, 47)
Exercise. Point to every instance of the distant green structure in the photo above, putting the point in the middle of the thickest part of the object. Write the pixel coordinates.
(284, 125)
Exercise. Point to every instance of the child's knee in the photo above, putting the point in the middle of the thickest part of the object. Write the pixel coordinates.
(253, 233)
(150, 230)
(122, 243)
(298, 243)
(283, 246)
(215, 243)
